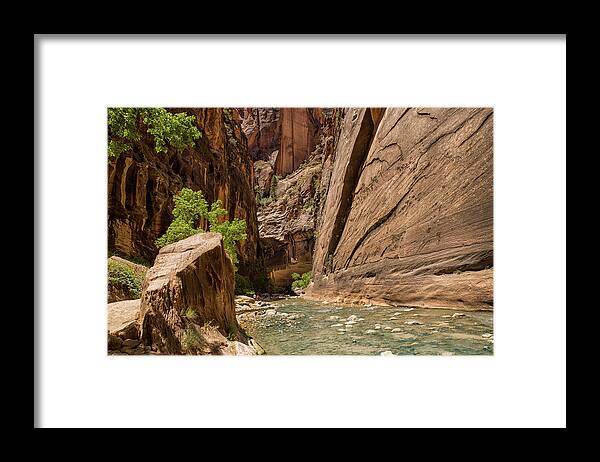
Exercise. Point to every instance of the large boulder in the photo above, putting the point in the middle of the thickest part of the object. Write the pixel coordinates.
(187, 301)
(408, 216)
(124, 319)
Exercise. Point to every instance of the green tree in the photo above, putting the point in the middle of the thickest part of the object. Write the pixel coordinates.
(189, 207)
(126, 125)
(301, 282)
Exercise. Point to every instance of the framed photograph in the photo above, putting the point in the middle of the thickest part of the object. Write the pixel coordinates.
(366, 232)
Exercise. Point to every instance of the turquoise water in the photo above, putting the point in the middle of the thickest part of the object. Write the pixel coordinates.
(302, 327)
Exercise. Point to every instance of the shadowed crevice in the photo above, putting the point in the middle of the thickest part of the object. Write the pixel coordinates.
(364, 139)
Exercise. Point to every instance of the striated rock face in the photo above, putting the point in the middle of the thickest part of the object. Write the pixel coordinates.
(299, 134)
(408, 214)
(286, 226)
(262, 128)
(292, 132)
(187, 301)
(141, 184)
(287, 214)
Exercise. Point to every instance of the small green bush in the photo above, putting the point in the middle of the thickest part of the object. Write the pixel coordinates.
(123, 277)
(273, 190)
(243, 285)
(301, 282)
(265, 200)
(262, 283)
(191, 340)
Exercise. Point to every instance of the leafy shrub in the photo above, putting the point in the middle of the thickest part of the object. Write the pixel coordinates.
(265, 200)
(191, 340)
(189, 207)
(124, 277)
(262, 283)
(273, 190)
(301, 282)
(243, 286)
(139, 260)
(126, 125)
(176, 231)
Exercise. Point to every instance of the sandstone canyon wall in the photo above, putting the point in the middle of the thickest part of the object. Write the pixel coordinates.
(286, 136)
(408, 215)
(288, 203)
(141, 184)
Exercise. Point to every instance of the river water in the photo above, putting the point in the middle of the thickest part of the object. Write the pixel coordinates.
(303, 327)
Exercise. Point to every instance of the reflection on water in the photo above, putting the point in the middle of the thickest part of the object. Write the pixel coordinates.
(302, 327)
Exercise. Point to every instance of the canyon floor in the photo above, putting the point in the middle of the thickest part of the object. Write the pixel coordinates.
(297, 326)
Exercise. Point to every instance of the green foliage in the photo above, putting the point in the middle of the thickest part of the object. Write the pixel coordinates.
(243, 286)
(265, 200)
(127, 124)
(273, 191)
(308, 205)
(190, 314)
(301, 282)
(259, 283)
(177, 230)
(138, 260)
(262, 283)
(189, 207)
(232, 232)
(124, 277)
(177, 130)
(191, 340)
(123, 123)
(115, 148)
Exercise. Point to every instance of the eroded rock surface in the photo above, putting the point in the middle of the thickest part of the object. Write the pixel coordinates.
(262, 127)
(290, 133)
(287, 218)
(141, 184)
(124, 319)
(408, 214)
(187, 301)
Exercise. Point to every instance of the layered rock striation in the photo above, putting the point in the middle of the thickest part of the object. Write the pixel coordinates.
(287, 212)
(408, 215)
(287, 134)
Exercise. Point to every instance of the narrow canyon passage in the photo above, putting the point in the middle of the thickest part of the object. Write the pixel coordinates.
(344, 231)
